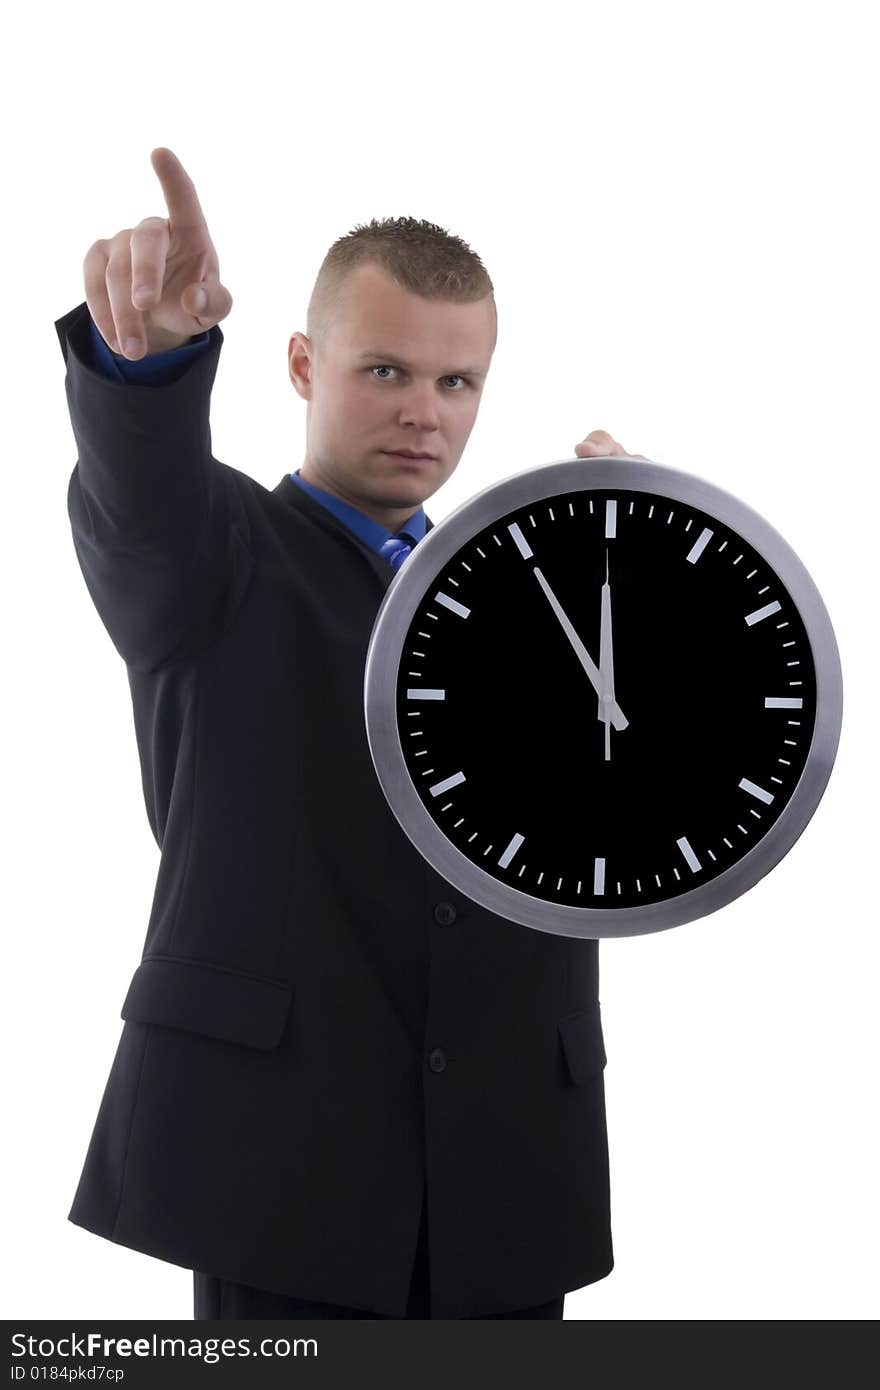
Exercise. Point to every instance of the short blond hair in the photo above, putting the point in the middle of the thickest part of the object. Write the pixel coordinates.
(419, 256)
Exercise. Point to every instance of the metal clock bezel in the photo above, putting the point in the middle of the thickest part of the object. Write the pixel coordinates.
(422, 568)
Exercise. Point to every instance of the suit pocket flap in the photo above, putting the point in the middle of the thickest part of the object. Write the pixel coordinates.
(584, 1045)
(211, 999)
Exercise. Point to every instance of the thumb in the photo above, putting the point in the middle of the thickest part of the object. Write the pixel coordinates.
(207, 302)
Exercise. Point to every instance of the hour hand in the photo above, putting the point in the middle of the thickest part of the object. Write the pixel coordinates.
(606, 663)
(615, 713)
(606, 651)
(606, 648)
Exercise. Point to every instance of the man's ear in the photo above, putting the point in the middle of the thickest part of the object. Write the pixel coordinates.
(300, 358)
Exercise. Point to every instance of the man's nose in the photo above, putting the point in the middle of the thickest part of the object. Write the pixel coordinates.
(420, 407)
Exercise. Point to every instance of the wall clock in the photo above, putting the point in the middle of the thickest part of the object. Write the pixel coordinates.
(603, 697)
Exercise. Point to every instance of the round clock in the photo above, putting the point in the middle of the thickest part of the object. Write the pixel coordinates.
(603, 697)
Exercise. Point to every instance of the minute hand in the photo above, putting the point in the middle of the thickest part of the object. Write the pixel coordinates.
(616, 715)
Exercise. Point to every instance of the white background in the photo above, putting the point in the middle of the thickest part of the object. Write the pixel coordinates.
(676, 204)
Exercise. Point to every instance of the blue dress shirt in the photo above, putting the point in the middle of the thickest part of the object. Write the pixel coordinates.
(161, 368)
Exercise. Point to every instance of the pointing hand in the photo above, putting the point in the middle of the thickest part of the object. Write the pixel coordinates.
(144, 286)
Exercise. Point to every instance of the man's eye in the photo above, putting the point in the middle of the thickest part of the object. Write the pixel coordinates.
(386, 367)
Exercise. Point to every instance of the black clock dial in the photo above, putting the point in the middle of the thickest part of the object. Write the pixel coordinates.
(703, 666)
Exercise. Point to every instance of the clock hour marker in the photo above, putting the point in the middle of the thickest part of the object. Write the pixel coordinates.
(522, 544)
(599, 873)
(690, 858)
(447, 782)
(511, 850)
(755, 790)
(759, 613)
(610, 519)
(452, 604)
(783, 702)
(422, 693)
(700, 544)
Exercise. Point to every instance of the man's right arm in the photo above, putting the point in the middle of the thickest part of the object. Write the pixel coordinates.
(159, 528)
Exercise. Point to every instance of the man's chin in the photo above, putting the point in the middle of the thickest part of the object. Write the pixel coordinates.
(411, 468)
(408, 483)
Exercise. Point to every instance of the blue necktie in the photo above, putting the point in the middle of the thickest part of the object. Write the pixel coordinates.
(395, 550)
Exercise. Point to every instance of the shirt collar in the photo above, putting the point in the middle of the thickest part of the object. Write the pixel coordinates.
(373, 533)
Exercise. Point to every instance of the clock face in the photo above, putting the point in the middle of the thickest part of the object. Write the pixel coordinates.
(603, 699)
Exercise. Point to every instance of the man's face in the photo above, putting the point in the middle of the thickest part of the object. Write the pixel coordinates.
(398, 372)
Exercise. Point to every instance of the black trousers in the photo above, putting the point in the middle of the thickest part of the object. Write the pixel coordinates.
(215, 1299)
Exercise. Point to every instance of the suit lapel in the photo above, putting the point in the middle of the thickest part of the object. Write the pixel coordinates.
(295, 496)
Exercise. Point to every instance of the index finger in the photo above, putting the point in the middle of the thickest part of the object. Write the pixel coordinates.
(181, 199)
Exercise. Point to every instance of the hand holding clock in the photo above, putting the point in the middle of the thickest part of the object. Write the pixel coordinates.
(600, 444)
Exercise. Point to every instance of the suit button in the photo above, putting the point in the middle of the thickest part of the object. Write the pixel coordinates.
(437, 1060)
(445, 913)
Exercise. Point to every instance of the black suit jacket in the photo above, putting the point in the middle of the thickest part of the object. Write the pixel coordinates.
(319, 1024)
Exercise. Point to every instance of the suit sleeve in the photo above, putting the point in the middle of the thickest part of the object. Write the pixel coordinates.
(159, 526)
(158, 369)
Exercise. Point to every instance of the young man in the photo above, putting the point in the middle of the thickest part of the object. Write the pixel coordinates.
(341, 1089)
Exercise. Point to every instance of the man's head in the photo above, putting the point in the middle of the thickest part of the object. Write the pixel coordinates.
(401, 330)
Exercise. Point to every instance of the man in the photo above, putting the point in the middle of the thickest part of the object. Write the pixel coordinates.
(342, 1089)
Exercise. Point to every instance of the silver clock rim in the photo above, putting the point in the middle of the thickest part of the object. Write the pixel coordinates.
(402, 599)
